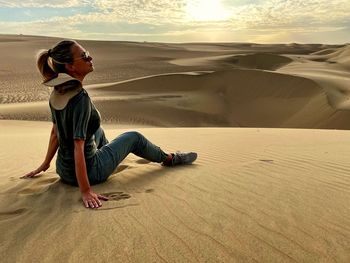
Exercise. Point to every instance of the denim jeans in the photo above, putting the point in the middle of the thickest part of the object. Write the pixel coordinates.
(110, 154)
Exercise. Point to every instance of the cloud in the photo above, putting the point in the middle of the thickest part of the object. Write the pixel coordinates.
(292, 13)
(168, 20)
(134, 11)
(42, 3)
(42, 28)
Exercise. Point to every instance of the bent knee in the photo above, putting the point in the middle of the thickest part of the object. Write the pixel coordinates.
(133, 135)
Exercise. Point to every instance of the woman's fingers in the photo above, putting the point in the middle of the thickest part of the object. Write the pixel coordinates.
(31, 174)
(26, 175)
(93, 200)
(102, 197)
(93, 203)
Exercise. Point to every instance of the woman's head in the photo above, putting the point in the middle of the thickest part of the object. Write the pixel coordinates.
(66, 56)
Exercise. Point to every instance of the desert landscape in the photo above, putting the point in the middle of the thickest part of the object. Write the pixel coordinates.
(269, 123)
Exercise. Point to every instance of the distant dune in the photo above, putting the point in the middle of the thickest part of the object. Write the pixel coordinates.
(237, 85)
(260, 61)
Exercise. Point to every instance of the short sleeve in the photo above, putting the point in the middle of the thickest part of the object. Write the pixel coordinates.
(81, 117)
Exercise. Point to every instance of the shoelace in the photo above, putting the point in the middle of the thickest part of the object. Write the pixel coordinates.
(180, 157)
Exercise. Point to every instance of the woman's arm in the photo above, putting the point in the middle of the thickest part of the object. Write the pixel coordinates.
(90, 199)
(53, 145)
(51, 151)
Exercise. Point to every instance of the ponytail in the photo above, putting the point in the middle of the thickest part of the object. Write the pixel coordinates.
(46, 71)
(51, 62)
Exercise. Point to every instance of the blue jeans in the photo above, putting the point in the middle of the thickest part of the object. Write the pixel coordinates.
(109, 155)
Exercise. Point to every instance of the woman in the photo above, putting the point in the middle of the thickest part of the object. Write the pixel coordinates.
(85, 157)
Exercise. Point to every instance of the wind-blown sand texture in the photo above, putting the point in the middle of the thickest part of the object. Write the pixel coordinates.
(254, 195)
(257, 193)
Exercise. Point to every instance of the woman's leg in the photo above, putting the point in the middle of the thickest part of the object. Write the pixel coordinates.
(111, 154)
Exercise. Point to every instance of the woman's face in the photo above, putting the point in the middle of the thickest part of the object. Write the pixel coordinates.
(82, 62)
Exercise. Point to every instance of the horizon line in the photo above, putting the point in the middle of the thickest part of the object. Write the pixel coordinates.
(195, 42)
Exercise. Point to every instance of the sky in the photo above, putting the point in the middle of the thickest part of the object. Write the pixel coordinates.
(257, 21)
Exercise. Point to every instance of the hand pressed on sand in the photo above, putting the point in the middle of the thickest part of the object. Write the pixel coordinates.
(92, 200)
(41, 168)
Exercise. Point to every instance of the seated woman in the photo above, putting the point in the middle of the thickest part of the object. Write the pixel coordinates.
(85, 157)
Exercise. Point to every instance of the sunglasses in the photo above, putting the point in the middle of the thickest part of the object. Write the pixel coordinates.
(85, 56)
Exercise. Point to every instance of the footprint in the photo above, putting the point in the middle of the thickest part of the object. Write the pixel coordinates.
(10, 214)
(143, 161)
(121, 167)
(266, 160)
(116, 196)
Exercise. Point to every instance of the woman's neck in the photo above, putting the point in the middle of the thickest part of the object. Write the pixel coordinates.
(78, 77)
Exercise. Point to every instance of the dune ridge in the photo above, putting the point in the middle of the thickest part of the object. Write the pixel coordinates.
(263, 61)
(330, 72)
(195, 84)
(237, 98)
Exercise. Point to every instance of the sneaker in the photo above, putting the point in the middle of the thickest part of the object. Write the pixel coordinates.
(181, 158)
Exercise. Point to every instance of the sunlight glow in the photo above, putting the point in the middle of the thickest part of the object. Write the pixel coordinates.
(206, 10)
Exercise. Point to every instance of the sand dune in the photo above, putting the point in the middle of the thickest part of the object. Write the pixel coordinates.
(254, 195)
(263, 61)
(325, 51)
(236, 98)
(341, 56)
(330, 72)
(118, 61)
(260, 61)
(195, 84)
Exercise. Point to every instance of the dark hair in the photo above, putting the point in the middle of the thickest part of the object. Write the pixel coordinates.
(51, 62)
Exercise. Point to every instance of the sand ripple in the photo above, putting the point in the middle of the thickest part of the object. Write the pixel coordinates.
(255, 195)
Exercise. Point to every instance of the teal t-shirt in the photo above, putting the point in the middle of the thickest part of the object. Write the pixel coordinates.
(78, 120)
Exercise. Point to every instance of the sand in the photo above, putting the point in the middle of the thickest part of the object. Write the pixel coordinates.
(265, 195)
(269, 123)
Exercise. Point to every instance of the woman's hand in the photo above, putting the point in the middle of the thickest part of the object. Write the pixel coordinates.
(41, 168)
(92, 200)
